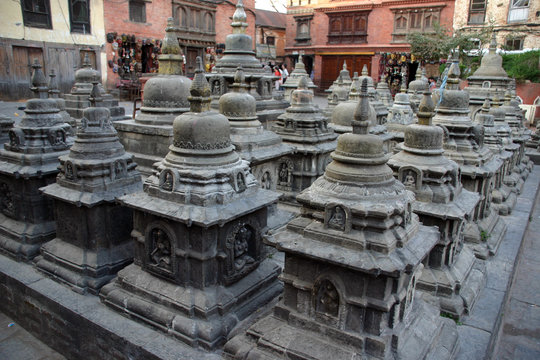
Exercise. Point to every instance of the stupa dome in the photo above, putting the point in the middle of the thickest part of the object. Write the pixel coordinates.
(491, 63)
(238, 104)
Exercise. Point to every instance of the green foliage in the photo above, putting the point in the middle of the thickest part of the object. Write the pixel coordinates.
(437, 45)
(524, 66)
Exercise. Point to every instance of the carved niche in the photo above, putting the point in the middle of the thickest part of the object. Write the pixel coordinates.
(70, 171)
(266, 180)
(411, 177)
(217, 85)
(326, 300)
(160, 251)
(167, 180)
(118, 169)
(240, 183)
(16, 139)
(6, 200)
(57, 137)
(337, 217)
(285, 172)
(241, 251)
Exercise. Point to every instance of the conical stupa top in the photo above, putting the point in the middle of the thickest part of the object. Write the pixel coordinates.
(491, 63)
(170, 42)
(426, 109)
(86, 61)
(303, 83)
(200, 90)
(53, 85)
(354, 91)
(361, 115)
(364, 70)
(170, 59)
(239, 84)
(239, 23)
(344, 73)
(39, 83)
(493, 44)
(95, 98)
(453, 74)
(300, 64)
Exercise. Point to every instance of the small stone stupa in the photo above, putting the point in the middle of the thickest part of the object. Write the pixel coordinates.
(490, 80)
(340, 92)
(384, 92)
(54, 93)
(380, 109)
(451, 274)
(417, 88)
(352, 262)
(28, 162)
(305, 128)
(344, 113)
(150, 134)
(294, 77)
(93, 238)
(479, 166)
(504, 197)
(239, 52)
(345, 77)
(400, 115)
(6, 123)
(200, 266)
(77, 100)
(261, 148)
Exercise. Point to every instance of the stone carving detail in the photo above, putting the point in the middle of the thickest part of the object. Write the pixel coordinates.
(486, 84)
(165, 104)
(217, 84)
(241, 252)
(70, 170)
(57, 137)
(285, 170)
(264, 87)
(266, 180)
(337, 217)
(160, 250)
(167, 180)
(410, 296)
(6, 200)
(118, 169)
(326, 298)
(16, 138)
(240, 182)
(200, 146)
(411, 177)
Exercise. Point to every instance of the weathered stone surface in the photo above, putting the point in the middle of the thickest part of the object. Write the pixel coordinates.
(6, 123)
(77, 100)
(93, 232)
(381, 111)
(351, 264)
(479, 166)
(305, 128)
(238, 52)
(54, 93)
(263, 149)
(150, 134)
(200, 266)
(384, 92)
(294, 77)
(30, 161)
(417, 88)
(451, 272)
(339, 90)
(400, 115)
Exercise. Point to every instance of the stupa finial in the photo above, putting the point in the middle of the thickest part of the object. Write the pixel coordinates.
(486, 106)
(95, 97)
(364, 71)
(454, 72)
(403, 88)
(239, 23)
(493, 43)
(200, 90)
(426, 109)
(361, 115)
(38, 81)
(239, 79)
(53, 85)
(303, 83)
(86, 61)
(344, 65)
(170, 42)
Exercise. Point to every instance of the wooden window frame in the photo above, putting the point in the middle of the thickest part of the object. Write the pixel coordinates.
(305, 37)
(517, 10)
(30, 16)
(82, 27)
(132, 17)
(474, 14)
(353, 34)
(420, 24)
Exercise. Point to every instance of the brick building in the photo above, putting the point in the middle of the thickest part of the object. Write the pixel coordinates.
(360, 32)
(516, 22)
(270, 32)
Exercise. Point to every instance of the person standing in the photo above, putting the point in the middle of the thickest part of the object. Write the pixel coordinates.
(285, 73)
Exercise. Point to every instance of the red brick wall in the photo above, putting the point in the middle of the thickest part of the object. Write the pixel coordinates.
(116, 15)
(224, 13)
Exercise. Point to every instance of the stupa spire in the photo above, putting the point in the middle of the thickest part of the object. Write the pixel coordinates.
(53, 85)
(170, 59)
(200, 90)
(39, 83)
(361, 115)
(239, 23)
(426, 109)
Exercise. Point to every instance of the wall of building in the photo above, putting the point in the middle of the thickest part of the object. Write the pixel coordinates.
(57, 48)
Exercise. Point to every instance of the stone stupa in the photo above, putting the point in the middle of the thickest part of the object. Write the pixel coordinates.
(384, 92)
(341, 120)
(381, 110)
(417, 88)
(478, 164)
(451, 274)
(239, 52)
(29, 161)
(93, 239)
(77, 100)
(200, 266)
(352, 262)
(150, 134)
(294, 77)
(262, 149)
(400, 115)
(305, 128)
(54, 93)
(6, 123)
(340, 92)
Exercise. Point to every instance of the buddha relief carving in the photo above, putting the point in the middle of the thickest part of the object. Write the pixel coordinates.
(326, 298)
(57, 137)
(266, 181)
(486, 84)
(411, 177)
(69, 170)
(160, 250)
(166, 180)
(241, 252)
(285, 174)
(240, 182)
(16, 139)
(119, 169)
(409, 297)
(337, 218)
(6, 200)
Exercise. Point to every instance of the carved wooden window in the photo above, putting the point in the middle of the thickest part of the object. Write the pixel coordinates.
(303, 25)
(79, 15)
(37, 13)
(414, 20)
(347, 28)
(181, 17)
(477, 11)
(270, 40)
(519, 10)
(209, 21)
(137, 11)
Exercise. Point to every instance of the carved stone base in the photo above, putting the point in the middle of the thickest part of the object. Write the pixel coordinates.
(196, 317)
(424, 335)
(514, 181)
(485, 236)
(76, 103)
(455, 288)
(22, 240)
(504, 200)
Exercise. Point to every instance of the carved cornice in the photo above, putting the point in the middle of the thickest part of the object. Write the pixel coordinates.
(395, 3)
